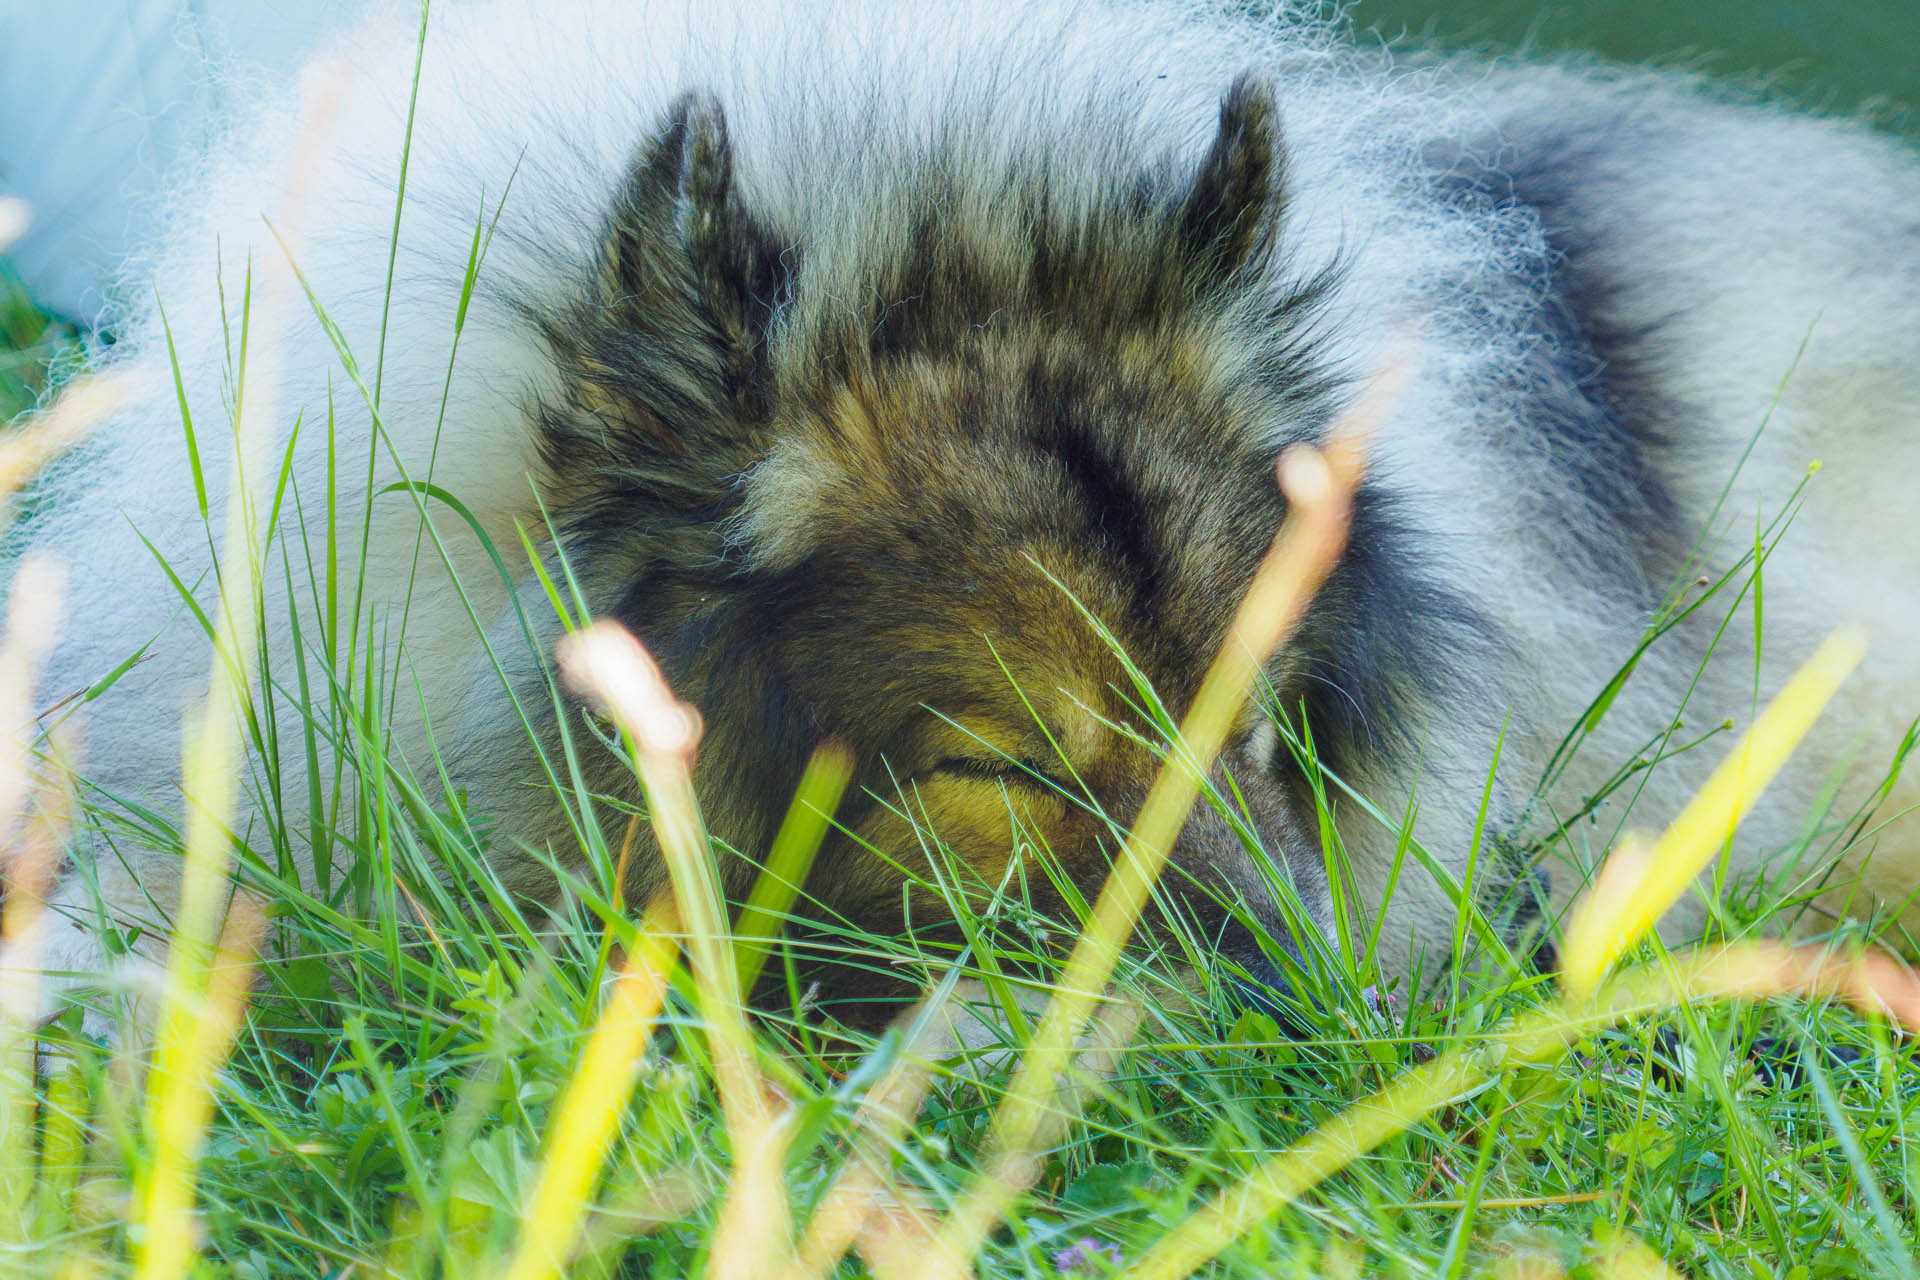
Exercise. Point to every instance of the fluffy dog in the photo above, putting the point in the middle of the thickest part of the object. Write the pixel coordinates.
(860, 355)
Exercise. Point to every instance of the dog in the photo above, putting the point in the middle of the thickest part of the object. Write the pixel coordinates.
(915, 381)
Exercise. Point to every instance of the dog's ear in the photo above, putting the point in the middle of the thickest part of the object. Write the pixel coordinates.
(1229, 216)
(665, 354)
(681, 248)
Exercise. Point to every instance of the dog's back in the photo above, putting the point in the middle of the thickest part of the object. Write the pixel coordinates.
(1745, 277)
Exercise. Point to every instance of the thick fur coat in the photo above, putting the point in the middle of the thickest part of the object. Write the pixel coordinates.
(855, 349)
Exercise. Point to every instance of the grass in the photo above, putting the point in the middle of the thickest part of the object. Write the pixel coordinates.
(480, 1087)
(29, 341)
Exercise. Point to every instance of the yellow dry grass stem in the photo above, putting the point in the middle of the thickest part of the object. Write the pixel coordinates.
(1639, 883)
(202, 1015)
(862, 1188)
(33, 810)
(588, 1114)
(206, 980)
(38, 437)
(30, 855)
(753, 1233)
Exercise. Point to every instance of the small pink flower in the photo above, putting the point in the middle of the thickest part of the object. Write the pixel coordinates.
(1087, 1257)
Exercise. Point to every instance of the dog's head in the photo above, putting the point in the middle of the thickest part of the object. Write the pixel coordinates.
(919, 489)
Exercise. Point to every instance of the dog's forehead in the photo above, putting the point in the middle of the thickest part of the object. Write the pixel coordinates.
(1009, 519)
(1001, 658)
(1020, 437)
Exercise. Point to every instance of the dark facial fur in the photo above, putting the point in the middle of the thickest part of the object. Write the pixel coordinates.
(886, 523)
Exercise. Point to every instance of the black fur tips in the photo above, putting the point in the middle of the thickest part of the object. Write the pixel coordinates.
(1227, 220)
(683, 178)
(664, 351)
(677, 230)
(705, 176)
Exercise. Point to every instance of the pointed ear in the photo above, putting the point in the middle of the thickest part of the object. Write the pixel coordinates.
(1229, 217)
(679, 238)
